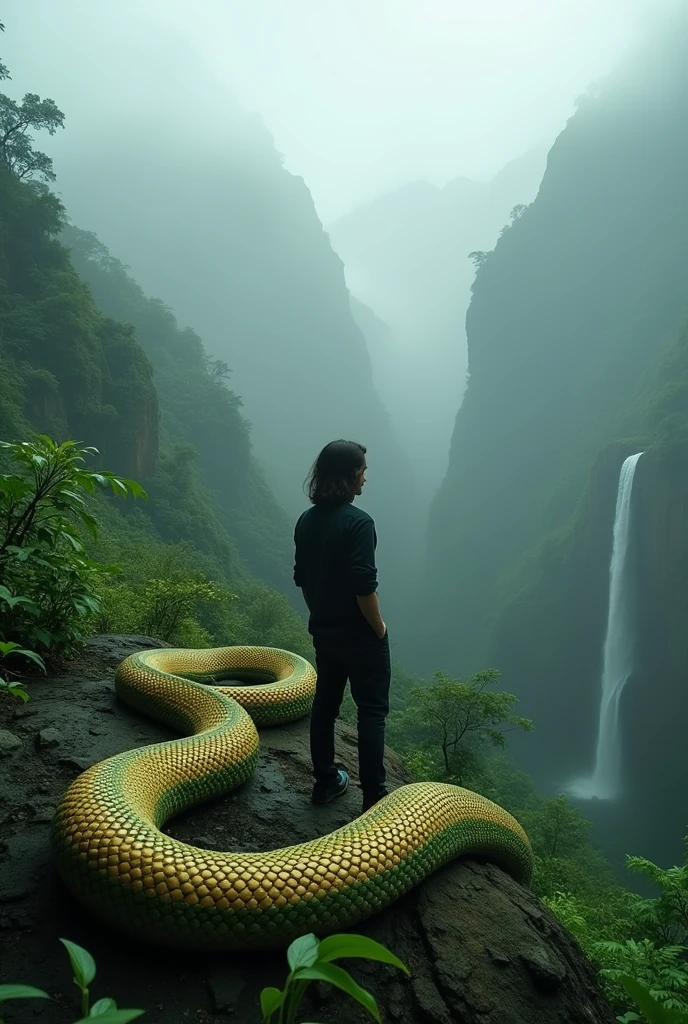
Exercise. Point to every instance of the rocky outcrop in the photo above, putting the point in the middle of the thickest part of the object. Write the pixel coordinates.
(481, 949)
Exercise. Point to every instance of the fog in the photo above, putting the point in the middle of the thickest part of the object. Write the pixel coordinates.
(360, 97)
(404, 119)
(365, 96)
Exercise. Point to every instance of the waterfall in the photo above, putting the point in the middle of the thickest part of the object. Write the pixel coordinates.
(605, 781)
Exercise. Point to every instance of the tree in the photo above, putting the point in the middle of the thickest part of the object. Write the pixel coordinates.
(459, 717)
(4, 73)
(16, 144)
(479, 257)
(556, 829)
(218, 370)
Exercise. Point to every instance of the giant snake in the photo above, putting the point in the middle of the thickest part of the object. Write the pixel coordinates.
(112, 855)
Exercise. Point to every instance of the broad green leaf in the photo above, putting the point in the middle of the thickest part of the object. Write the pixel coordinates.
(8, 647)
(16, 690)
(5, 594)
(21, 992)
(73, 541)
(21, 553)
(648, 1005)
(113, 1017)
(69, 496)
(42, 635)
(117, 486)
(30, 607)
(14, 486)
(340, 947)
(136, 489)
(342, 980)
(32, 656)
(89, 522)
(83, 964)
(27, 602)
(270, 1001)
(102, 1006)
(303, 952)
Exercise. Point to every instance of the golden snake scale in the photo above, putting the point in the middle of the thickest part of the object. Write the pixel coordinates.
(113, 856)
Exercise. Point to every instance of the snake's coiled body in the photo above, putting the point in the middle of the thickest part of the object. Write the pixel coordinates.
(114, 858)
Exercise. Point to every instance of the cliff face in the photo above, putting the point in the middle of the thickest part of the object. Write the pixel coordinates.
(654, 709)
(574, 308)
(67, 369)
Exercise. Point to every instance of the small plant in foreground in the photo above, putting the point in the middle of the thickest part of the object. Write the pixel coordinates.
(311, 960)
(43, 513)
(652, 1011)
(104, 1011)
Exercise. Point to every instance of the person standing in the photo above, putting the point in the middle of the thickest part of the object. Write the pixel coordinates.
(334, 566)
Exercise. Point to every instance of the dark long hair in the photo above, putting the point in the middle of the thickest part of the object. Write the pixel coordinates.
(331, 480)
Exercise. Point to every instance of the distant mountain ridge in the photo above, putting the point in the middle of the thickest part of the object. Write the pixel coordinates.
(406, 257)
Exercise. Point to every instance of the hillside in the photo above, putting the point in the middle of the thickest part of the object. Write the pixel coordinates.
(197, 408)
(406, 256)
(576, 357)
(65, 369)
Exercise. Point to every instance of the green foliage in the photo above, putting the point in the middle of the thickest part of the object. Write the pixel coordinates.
(9, 651)
(165, 597)
(105, 1011)
(176, 593)
(666, 917)
(457, 720)
(556, 829)
(50, 586)
(4, 73)
(627, 935)
(16, 121)
(311, 960)
(201, 424)
(653, 1011)
(662, 969)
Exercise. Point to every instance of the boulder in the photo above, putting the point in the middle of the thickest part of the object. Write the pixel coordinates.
(480, 947)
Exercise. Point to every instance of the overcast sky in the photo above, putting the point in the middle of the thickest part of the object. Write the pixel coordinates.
(360, 95)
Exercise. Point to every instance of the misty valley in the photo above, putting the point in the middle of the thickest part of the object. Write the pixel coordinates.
(184, 326)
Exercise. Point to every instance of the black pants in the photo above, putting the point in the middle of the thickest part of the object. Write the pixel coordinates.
(367, 667)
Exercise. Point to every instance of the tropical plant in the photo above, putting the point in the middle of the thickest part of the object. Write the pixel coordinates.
(312, 960)
(103, 1011)
(49, 583)
(653, 1011)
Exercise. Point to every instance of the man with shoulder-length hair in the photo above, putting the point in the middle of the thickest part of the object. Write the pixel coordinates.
(335, 569)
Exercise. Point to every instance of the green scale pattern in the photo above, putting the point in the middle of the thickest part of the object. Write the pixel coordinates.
(113, 857)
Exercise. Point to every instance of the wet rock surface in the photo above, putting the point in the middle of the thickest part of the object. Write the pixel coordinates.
(480, 948)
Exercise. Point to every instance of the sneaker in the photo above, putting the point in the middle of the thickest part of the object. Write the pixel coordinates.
(370, 801)
(322, 794)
